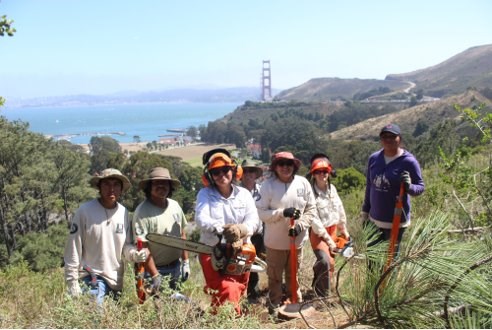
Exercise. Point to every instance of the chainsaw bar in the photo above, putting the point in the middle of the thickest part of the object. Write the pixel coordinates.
(180, 243)
(258, 266)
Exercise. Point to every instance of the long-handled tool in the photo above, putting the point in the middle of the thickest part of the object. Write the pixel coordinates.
(293, 264)
(294, 309)
(395, 231)
(139, 274)
(395, 227)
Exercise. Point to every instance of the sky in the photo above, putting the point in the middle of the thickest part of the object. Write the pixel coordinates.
(66, 47)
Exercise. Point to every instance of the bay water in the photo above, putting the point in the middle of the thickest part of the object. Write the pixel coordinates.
(150, 121)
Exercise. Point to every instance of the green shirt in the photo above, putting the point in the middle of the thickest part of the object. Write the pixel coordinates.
(149, 218)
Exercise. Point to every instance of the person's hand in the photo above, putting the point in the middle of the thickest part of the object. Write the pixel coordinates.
(234, 232)
(292, 212)
(73, 288)
(405, 178)
(295, 231)
(139, 256)
(185, 270)
(156, 283)
(345, 234)
(364, 216)
(331, 246)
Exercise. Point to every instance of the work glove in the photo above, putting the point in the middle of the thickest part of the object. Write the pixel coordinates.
(294, 231)
(292, 212)
(234, 232)
(156, 283)
(364, 216)
(218, 259)
(73, 288)
(139, 256)
(405, 178)
(185, 270)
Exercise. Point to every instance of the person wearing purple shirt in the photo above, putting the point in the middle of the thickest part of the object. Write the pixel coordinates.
(386, 170)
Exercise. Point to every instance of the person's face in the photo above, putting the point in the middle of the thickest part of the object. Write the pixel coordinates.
(285, 169)
(222, 176)
(249, 177)
(110, 190)
(159, 189)
(321, 175)
(389, 141)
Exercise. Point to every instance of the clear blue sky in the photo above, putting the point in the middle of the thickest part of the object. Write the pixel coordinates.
(102, 46)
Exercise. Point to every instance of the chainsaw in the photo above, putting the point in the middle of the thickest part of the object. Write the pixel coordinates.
(243, 261)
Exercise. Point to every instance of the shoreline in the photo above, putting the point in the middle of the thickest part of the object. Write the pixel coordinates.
(191, 153)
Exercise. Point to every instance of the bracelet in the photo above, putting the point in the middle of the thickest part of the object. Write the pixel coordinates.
(156, 275)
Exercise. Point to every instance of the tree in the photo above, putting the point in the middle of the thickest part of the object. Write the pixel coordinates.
(6, 26)
(106, 153)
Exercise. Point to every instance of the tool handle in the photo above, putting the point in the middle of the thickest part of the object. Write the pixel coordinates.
(139, 272)
(293, 264)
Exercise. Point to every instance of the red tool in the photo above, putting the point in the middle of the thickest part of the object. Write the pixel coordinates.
(395, 227)
(139, 274)
(293, 264)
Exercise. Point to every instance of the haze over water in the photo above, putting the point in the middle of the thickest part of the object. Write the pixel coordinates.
(145, 120)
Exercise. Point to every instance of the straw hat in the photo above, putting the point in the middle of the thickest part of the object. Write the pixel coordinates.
(249, 164)
(108, 174)
(159, 173)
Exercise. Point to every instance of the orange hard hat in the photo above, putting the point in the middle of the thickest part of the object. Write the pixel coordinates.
(220, 160)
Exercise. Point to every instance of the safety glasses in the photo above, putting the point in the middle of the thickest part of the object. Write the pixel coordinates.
(220, 170)
(318, 172)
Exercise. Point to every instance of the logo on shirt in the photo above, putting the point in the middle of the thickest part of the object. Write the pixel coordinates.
(73, 228)
(300, 192)
(381, 183)
(119, 228)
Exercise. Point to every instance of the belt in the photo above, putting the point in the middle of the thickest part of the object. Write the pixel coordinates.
(171, 264)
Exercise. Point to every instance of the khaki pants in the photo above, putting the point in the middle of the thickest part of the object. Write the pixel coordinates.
(278, 262)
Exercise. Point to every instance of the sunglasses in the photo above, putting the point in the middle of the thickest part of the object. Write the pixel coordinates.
(249, 170)
(317, 172)
(220, 170)
(285, 163)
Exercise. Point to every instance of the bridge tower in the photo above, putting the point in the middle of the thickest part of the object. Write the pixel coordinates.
(266, 82)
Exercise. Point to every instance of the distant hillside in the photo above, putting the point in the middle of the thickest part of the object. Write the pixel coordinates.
(332, 89)
(471, 68)
(428, 114)
(239, 94)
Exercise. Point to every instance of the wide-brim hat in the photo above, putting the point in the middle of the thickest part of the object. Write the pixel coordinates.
(249, 164)
(391, 128)
(159, 173)
(108, 174)
(284, 155)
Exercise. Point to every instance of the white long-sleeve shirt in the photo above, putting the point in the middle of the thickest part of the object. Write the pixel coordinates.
(330, 208)
(213, 211)
(275, 197)
(98, 239)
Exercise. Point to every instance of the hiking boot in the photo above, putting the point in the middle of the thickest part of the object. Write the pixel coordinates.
(273, 311)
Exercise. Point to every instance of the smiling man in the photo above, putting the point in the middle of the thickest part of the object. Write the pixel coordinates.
(99, 236)
(160, 214)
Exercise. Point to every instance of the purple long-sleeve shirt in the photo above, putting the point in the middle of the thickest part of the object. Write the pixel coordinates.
(383, 187)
